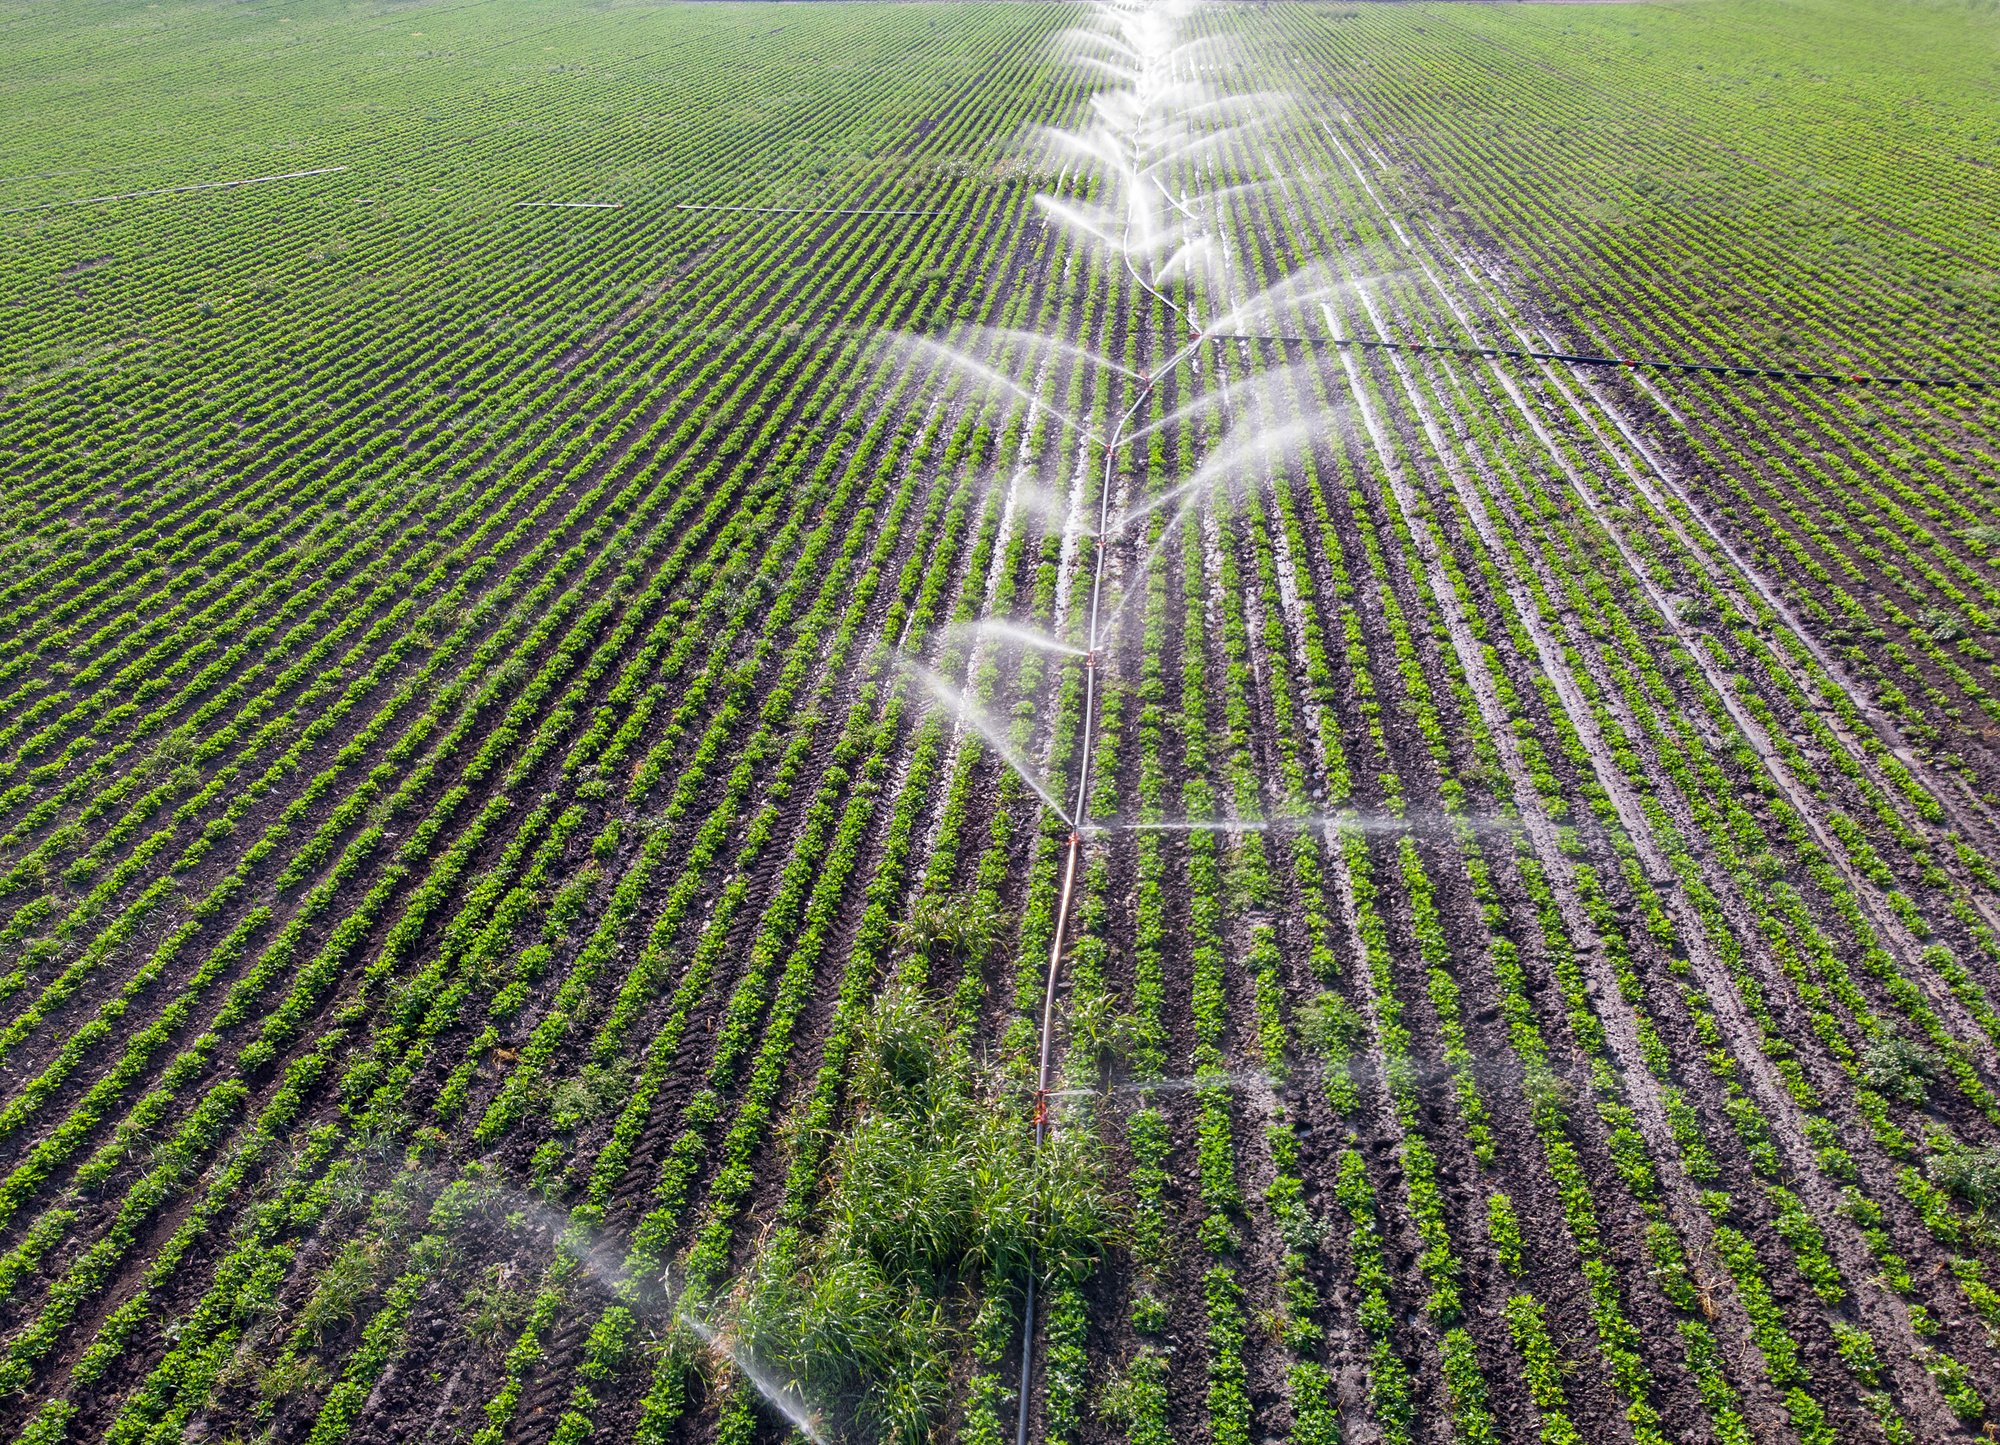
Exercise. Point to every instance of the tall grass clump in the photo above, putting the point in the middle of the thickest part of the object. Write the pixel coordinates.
(934, 1192)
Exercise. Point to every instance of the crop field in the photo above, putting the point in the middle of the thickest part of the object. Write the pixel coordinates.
(1118, 722)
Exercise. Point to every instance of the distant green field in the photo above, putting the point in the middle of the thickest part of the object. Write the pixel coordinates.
(689, 691)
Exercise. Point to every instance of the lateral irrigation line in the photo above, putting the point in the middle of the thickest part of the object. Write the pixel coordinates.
(1646, 363)
(578, 205)
(806, 210)
(172, 191)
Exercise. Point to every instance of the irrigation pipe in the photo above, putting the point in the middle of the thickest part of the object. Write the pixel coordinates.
(172, 191)
(1079, 826)
(1711, 368)
(1080, 811)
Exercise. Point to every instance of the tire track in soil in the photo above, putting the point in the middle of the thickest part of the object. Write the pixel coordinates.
(1442, 1128)
(1376, 1130)
(1690, 1222)
(1614, 1211)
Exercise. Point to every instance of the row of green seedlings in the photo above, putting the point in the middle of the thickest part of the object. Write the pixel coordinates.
(1760, 211)
(1642, 1174)
(738, 686)
(1088, 1003)
(1951, 971)
(1228, 1399)
(472, 367)
(1901, 819)
(314, 979)
(1740, 234)
(323, 845)
(1582, 1214)
(1880, 1060)
(562, 909)
(657, 1061)
(1697, 538)
(1966, 991)
(983, 1414)
(1465, 1386)
(319, 897)
(1626, 1143)
(1099, 304)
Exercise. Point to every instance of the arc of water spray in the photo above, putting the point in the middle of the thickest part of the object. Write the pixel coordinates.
(1015, 632)
(780, 1395)
(985, 374)
(1033, 341)
(587, 1248)
(974, 717)
(1351, 821)
(1184, 496)
(1215, 468)
(1187, 256)
(1203, 403)
(1050, 506)
(1096, 145)
(1077, 219)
